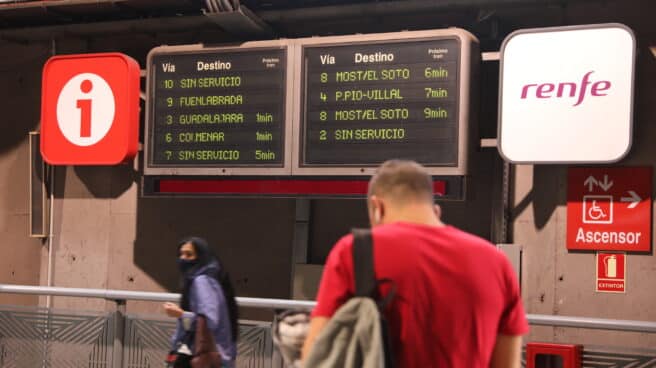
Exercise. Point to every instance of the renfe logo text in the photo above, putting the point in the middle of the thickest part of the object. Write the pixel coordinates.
(567, 89)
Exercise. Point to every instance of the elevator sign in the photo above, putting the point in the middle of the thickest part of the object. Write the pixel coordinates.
(90, 109)
(609, 209)
(611, 272)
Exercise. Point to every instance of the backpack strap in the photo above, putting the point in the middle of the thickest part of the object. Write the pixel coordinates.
(366, 285)
(363, 264)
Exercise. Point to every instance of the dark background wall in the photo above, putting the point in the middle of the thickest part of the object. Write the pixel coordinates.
(107, 235)
(20, 80)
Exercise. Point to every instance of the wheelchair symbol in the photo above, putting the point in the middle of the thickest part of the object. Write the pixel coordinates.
(595, 212)
(597, 209)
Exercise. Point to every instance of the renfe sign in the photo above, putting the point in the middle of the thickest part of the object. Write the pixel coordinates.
(567, 89)
(566, 94)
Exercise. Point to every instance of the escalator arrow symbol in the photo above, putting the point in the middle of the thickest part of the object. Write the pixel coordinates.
(634, 199)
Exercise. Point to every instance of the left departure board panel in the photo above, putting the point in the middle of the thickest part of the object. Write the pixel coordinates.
(215, 111)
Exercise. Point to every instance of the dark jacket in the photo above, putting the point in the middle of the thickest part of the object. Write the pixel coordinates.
(207, 298)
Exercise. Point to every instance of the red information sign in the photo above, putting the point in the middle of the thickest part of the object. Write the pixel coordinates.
(609, 209)
(90, 109)
(611, 272)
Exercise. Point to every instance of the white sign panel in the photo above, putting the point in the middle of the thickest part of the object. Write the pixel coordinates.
(566, 94)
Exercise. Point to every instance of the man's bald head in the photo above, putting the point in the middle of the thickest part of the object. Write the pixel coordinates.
(401, 182)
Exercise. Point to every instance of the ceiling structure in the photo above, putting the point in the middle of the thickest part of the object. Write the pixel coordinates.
(490, 20)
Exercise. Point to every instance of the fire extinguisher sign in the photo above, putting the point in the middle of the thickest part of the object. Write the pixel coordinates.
(611, 273)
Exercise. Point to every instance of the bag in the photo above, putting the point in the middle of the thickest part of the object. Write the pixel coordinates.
(205, 354)
(177, 360)
(289, 331)
(357, 336)
(181, 356)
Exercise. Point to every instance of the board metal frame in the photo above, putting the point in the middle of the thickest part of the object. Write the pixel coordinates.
(467, 69)
(151, 169)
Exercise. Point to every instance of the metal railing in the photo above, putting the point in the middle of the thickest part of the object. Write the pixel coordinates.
(120, 296)
(125, 295)
(120, 340)
(43, 337)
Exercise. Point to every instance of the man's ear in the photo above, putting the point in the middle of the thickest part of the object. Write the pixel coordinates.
(377, 215)
(377, 210)
(438, 211)
(381, 211)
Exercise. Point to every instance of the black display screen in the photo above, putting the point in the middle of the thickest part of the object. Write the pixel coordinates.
(366, 103)
(217, 108)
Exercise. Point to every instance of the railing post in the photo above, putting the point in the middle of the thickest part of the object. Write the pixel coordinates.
(119, 334)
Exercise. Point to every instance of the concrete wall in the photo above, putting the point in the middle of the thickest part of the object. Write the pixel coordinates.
(20, 79)
(563, 283)
(106, 235)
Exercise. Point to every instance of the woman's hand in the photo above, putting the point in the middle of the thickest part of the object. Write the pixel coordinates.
(172, 310)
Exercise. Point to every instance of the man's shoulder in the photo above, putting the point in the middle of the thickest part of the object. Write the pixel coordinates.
(441, 236)
(475, 246)
(395, 232)
(470, 238)
(342, 247)
(344, 243)
(447, 232)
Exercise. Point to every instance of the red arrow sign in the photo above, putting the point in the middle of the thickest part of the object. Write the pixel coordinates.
(609, 209)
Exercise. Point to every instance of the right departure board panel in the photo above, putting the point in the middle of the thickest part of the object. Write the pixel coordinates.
(368, 102)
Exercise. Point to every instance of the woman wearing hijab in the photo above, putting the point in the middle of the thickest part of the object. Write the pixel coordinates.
(208, 292)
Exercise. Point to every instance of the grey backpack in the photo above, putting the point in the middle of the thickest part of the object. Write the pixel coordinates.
(357, 336)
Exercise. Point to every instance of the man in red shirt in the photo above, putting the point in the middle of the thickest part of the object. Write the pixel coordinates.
(457, 301)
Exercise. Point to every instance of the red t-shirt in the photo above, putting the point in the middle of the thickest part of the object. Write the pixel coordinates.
(455, 293)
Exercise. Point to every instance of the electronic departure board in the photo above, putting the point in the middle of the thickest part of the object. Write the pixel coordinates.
(218, 110)
(317, 106)
(367, 99)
